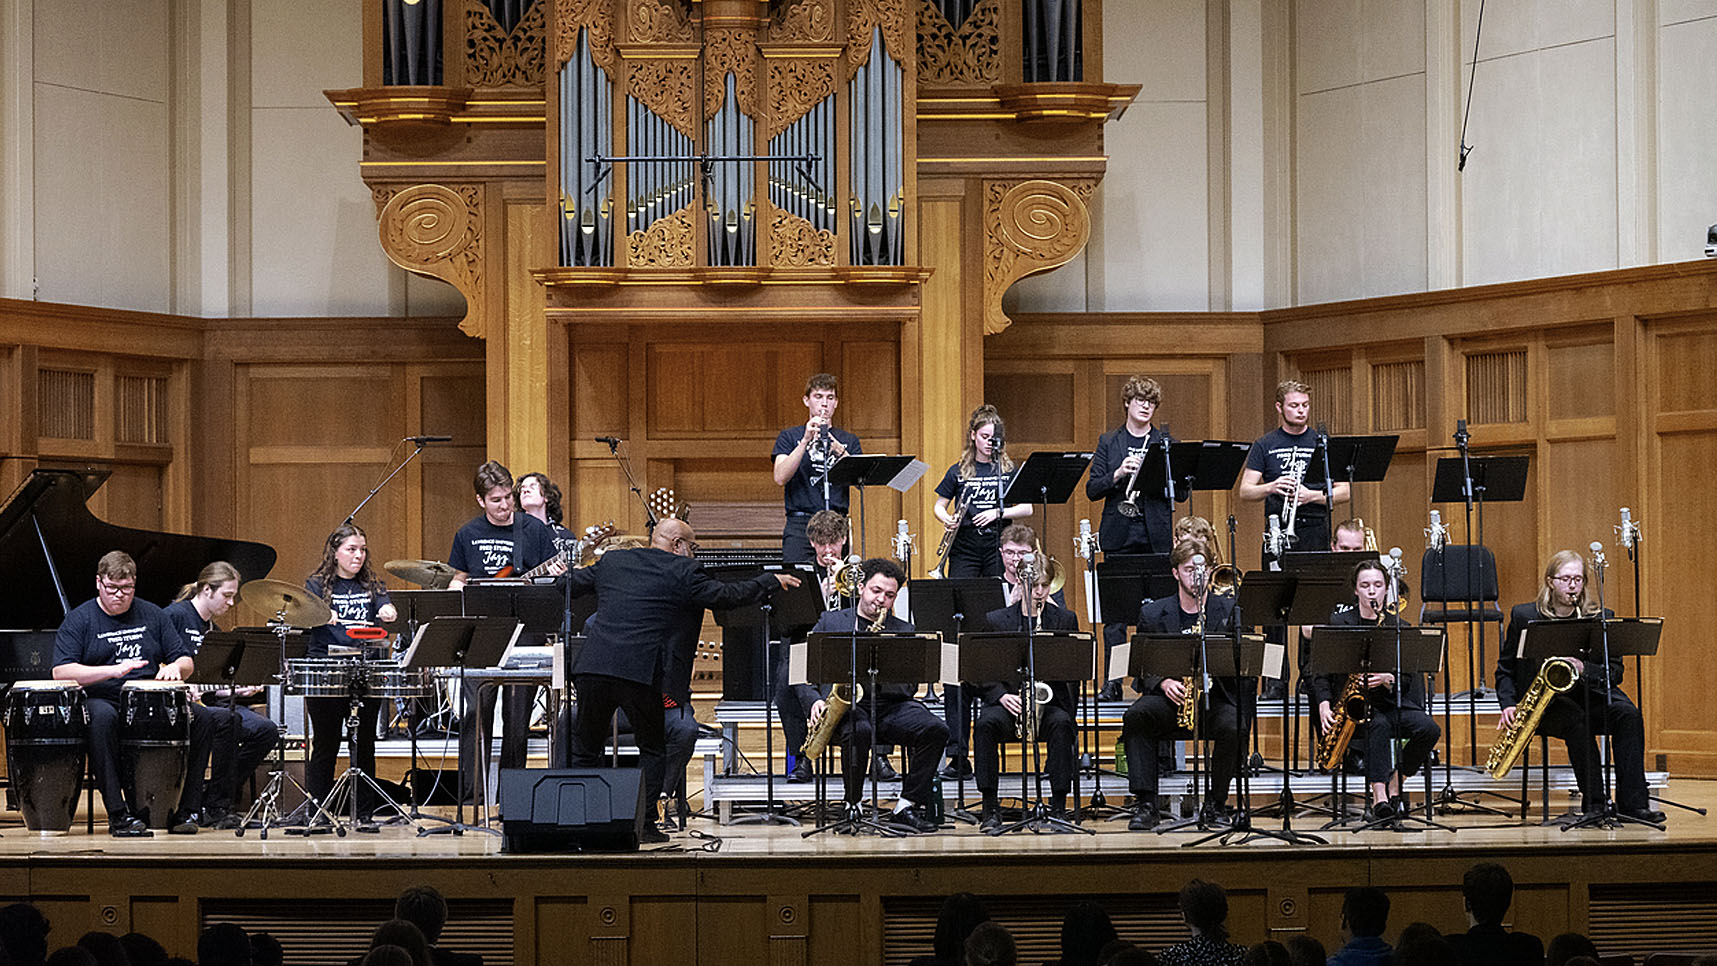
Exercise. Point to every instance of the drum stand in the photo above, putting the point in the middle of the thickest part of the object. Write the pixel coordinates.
(266, 809)
(354, 779)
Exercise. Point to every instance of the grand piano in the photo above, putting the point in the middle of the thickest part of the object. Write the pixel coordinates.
(49, 545)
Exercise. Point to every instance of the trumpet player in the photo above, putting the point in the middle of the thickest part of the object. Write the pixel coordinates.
(1156, 714)
(1277, 464)
(802, 457)
(999, 720)
(1580, 713)
(1397, 713)
(827, 532)
(900, 718)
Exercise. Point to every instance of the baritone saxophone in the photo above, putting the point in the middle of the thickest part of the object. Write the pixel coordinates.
(1557, 675)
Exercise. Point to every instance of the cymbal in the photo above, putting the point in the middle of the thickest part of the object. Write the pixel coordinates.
(295, 605)
(431, 574)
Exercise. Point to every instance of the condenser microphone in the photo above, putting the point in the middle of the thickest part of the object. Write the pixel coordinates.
(610, 440)
(1626, 530)
(1436, 535)
(429, 439)
(1597, 552)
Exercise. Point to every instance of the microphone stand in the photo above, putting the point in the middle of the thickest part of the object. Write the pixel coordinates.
(1632, 539)
(631, 482)
(421, 442)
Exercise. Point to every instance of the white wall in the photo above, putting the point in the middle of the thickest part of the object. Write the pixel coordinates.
(1687, 116)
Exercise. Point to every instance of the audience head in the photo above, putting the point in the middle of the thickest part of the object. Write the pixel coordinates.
(223, 944)
(990, 945)
(1267, 953)
(1427, 951)
(1205, 907)
(106, 948)
(1085, 930)
(387, 954)
(1709, 959)
(1365, 911)
(424, 907)
(1303, 950)
(1131, 955)
(265, 950)
(1566, 946)
(402, 933)
(24, 932)
(1418, 932)
(961, 913)
(72, 956)
(1109, 950)
(143, 950)
(1488, 890)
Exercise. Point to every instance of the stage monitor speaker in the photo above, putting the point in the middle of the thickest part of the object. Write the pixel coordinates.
(572, 809)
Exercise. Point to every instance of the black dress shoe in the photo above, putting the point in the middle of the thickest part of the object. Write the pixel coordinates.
(1111, 691)
(956, 769)
(992, 819)
(913, 819)
(881, 770)
(801, 771)
(1144, 817)
(211, 817)
(1382, 810)
(124, 825)
(652, 835)
(226, 822)
(183, 823)
(1646, 814)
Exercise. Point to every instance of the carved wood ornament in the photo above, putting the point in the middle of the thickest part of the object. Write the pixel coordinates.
(571, 16)
(1029, 227)
(435, 230)
(965, 56)
(796, 243)
(804, 22)
(494, 58)
(667, 243)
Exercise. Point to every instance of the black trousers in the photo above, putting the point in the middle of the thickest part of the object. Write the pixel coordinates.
(1566, 718)
(599, 696)
(516, 703)
(995, 725)
(968, 558)
(795, 546)
(907, 723)
(104, 736)
(327, 724)
(1152, 718)
(1410, 725)
(794, 715)
(256, 737)
(680, 737)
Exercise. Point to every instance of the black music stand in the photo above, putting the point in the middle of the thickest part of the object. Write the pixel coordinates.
(462, 642)
(1021, 659)
(883, 658)
(1124, 582)
(1175, 656)
(863, 470)
(792, 610)
(1210, 464)
(1046, 478)
(1323, 582)
(1333, 654)
(1595, 640)
(1474, 481)
(250, 655)
(948, 606)
(283, 645)
(1356, 459)
(544, 609)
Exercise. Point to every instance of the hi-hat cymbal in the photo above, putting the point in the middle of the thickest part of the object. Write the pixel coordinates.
(430, 574)
(292, 604)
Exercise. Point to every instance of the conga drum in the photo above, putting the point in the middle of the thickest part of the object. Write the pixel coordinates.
(154, 747)
(46, 728)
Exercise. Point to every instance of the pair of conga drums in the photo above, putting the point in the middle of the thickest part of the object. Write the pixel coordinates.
(47, 729)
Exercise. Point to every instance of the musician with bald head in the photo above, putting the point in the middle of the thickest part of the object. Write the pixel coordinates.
(649, 607)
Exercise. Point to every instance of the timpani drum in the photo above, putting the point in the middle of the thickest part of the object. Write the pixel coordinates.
(154, 747)
(46, 737)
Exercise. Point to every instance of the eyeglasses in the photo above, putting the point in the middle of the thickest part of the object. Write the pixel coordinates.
(118, 590)
(1569, 578)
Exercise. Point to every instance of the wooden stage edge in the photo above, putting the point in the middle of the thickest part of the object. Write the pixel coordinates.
(769, 895)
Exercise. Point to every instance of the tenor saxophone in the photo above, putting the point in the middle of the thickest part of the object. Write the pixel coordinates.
(834, 709)
(1349, 712)
(1030, 720)
(1557, 675)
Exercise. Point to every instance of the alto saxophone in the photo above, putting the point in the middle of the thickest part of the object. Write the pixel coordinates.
(1349, 712)
(1031, 712)
(1186, 716)
(1557, 675)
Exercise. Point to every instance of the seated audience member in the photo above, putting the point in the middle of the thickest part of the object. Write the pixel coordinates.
(424, 907)
(1204, 906)
(1131, 955)
(1364, 916)
(1303, 950)
(1566, 946)
(72, 956)
(405, 935)
(223, 944)
(1709, 959)
(1110, 949)
(1085, 930)
(1584, 961)
(387, 954)
(265, 950)
(990, 944)
(961, 913)
(143, 950)
(1267, 953)
(106, 948)
(1488, 891)
(1425, 950)
(24, 933)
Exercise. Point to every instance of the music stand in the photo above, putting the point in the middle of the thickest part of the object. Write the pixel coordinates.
(883, 658)
(947, 606)
(462, 642)
(247, 654)
(1123, 583)
(1358, 459)
(792, 609)
(1020, 659)
(1210, 464)
(863, 470)
(1595, 640)
(1174, 656)
(284, 645)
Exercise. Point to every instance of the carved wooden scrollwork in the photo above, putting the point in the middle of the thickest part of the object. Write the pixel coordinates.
(665, 87)
(436, 230)
(570, 16)
(967, 56)
(804, 21)
(667, 243)
(1029, 227)
(728, 50)
(495, 58)
(865, 16)
(660, 22)
(796, 243)
(795, 86)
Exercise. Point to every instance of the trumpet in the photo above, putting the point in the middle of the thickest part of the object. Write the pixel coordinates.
(818, 449)
(1129, 505)
(1280, 535)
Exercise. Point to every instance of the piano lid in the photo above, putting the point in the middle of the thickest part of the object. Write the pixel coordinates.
(50, 508)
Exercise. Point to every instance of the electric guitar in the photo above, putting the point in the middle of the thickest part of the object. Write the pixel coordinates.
(571, 557)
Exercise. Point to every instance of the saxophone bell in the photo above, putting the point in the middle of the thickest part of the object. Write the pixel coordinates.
(1030, 721)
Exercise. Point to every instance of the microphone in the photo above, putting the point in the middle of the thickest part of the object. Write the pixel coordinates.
(610, 440)
(1597, 552)
(1083, 542)
(1626, 530)
(1436, 535)
(420, 440)
(1461, 434)
(1395, 559)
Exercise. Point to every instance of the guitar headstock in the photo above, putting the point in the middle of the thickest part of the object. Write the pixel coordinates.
(664, 504)
(591, 540)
